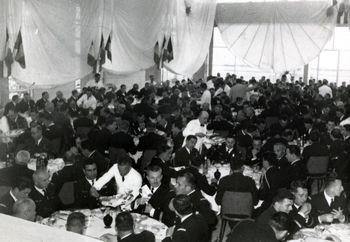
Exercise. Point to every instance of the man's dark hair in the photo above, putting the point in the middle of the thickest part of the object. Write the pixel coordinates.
(87, 145)
(190, 179)
(294, 149)
(15, 98)
(281, 221)
(43, 93)
(163, 148)
(315, 135)
(88, 162)
(74, 91)
(183, 205)
(297, 183)
(125, 160)
(203, 85)
(124, 222)
(270, 157)
(154, 168)
(22, 183)
(191, 137)
(178, 124)
(236, 163)
(281, 195)
(46, 116)
(75, 217)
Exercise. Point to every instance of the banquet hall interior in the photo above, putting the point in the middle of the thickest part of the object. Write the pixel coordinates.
(174, 120)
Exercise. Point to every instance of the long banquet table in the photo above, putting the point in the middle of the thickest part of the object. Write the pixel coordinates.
(332, 232)
(96, 228)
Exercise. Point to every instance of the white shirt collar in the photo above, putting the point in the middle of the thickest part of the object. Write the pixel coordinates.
(125, 236)
(184, 218)
(38, 142)
(92, 153)
(295, 161)
(328, 198)
(13, 196)
(40, 190)
(90, 181)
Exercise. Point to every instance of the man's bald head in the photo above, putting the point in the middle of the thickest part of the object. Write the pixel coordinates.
(24, 209)
(203, 117)
(41, 178)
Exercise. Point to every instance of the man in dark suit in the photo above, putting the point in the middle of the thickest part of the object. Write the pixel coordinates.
(19, 190)
(151, 140)
(52, 132)
(279, 149)
(26, 104)
(122, 140)
(162, 159)
(124, 225)
(276, 229)
(186, 185)
(236, 182)
(16, 121)
(296, 168)
(37, 143)
(41, 103)
(153, 195)
(192, 227)
(89, 151)
(44, 194)
(82, 187)
(301, 208)
(176, 135)
(188, 154)
(59, 100)
(282, 202)
(228, 148)
(11, 105)
(331, 204)
(316, 148)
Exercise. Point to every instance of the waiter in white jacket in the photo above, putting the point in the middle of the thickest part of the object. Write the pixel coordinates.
(128, 180)
(197, 127)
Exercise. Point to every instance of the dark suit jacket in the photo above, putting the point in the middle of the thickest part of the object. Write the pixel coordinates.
(315, 149)
(178, 141)
(101, 162)
(249, 231)
(299, 221)
(19, 123)
(167, 171)
(82, 196)
(265, 217)
(9, 175)
(6, 203)
(40, 104)
(83, 122)
(144, 236)
(202, 205)
(44, 146)
(48, 204)
(158, 200)
(236, 183)
(24, 106)
(183, 158)
(320, 206)
(192, 229)
(8, 106)
(201, 180)
(101, 139)
(124, 141)
(150, 141)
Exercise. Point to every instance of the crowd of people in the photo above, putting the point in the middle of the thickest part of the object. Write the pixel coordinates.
(279, 128)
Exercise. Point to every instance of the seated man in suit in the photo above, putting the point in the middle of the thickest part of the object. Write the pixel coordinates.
(153, 195)
(279, 149)
(186, 185)
(301, 208)
(316, 148)
(296, 168)
(89, 151)
(16, 121)
(124, 225)
(228, 148)
(276, 229)
(236, 182)
(76, 223)
(20, 189)
(187, 155)
(44, 194)
(82, 187)
(25, 209)
(282, 202)
(193, 227)
(330, 205)
(162, 159)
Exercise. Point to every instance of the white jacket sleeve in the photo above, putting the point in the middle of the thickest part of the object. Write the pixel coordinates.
(106, 177)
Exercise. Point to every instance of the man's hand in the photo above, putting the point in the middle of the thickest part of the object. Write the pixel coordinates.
(200, 135)
(305, 209)
(109, 238)
(338, 214)
(328, 218)
(148, 208)
(94, 192)
(170, 231)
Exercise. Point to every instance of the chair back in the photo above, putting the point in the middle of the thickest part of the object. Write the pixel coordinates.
(317, 165)
(237, 204)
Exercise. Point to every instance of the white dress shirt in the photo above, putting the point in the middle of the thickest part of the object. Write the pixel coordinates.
(132, 181)
(86, 102)
(193, 127)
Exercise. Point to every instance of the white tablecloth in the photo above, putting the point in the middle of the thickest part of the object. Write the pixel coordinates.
(338, 232)
(96, 228)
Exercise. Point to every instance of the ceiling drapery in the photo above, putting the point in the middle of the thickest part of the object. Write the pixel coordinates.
(276, 35)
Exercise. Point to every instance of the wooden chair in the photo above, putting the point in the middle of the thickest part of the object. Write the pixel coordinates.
(317, 169)
(235, 207)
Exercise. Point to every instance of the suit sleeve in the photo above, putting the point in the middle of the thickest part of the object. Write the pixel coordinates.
(206, 211)
(220, 192)
(178, 236)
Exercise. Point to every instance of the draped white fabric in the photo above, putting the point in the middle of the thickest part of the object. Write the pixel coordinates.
(136, 26)
(3, 17)
(277, 35)
(191, 35)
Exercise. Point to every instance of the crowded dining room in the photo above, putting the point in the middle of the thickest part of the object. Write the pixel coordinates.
(174, 120)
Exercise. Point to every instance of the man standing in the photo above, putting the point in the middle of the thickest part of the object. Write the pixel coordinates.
(11, 105)
(87, 100)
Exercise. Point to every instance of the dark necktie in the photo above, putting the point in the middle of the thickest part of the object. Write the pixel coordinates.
(92, 182)
(152, 190)
(123, 178)
(332, 202)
